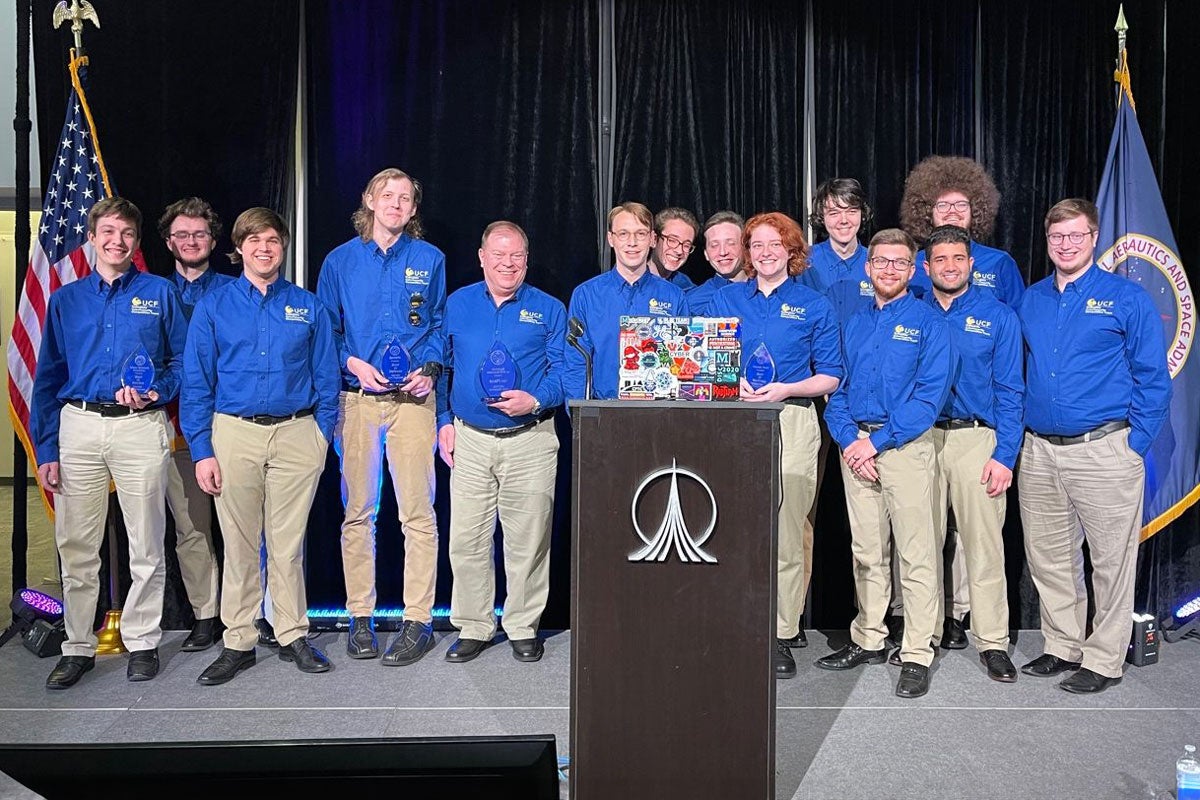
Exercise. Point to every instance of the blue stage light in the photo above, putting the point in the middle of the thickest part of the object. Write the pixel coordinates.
(1183, 621)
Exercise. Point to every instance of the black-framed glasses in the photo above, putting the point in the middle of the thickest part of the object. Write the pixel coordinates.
(183, 236)
(675, 241)
(955, 205)
(880, 263)
(1074, 237)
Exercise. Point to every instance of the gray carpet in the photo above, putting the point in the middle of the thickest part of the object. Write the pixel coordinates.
(839, 735)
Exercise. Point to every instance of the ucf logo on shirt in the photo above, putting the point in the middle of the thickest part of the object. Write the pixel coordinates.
(660, 307)
(788, 311)
(148, 307)
(865, 289)
(902, 333)
(1094, 306)
(987, 279)
(977, 325)
(297, 314)
(416, 277)
(531, 317)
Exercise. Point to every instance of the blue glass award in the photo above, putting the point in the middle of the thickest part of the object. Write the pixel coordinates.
(139, 371)
(396, 362)
(760, 367)
(497, 373)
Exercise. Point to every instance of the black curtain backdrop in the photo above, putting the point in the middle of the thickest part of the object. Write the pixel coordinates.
(709, 107)
(189, 97)
(491, 105)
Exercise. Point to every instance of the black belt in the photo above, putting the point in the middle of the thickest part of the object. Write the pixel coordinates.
(389, 393)
(110, 409)
(806, 402)
(1090, 436)
(960, 424)
(870, 427)
(504, 433)
(268, 419)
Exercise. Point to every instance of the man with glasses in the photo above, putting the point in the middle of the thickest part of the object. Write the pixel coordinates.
(627, 289)
(496, 433)
(676, 230)
(897, 358)
(724, 252)
(190, 227)
(977, 435)
(387, 288)
(1098, 394)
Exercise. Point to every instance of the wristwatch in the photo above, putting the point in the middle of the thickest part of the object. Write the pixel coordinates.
(537, 406)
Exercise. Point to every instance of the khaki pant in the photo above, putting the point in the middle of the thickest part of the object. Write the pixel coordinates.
(368, 426)
(192, 510)
(269, 476)
(1089, 491)
(961, 457)
(132, 452)
(903, 497)
(512, 478)
(800, 436)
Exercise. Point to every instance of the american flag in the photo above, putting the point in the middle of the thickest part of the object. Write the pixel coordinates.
(62, 253)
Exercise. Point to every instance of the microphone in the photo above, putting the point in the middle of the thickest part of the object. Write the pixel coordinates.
(575, 329)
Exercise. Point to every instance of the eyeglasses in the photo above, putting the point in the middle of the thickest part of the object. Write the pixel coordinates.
(183, 236)
(899, 264)
(675, 241)
(958, 205)
(1075, 237)
(624, 236)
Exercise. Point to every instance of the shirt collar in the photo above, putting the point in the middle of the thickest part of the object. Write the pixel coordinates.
(120, 284)
(397, 247)
(1081, 284)
(248, 288)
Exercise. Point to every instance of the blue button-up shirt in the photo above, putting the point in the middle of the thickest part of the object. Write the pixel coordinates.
(700, 297)
(826, 267)
(850, 296)
(995, 271)
(795, 323)
(91, 330)
(531, 325)
(371, 294)
(897, 373)
(250, 353)
(678, 278)
(985, 375)
(1094, 353)
(599, 303)
(191, 291)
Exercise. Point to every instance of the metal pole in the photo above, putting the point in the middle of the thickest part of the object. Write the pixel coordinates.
(22, 126)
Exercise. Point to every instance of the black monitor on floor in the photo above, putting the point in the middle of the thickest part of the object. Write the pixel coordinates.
(492, 767)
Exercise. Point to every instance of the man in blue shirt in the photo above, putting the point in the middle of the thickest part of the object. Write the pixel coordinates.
(791, 329)
(724, 252)
(1098, 393)
(387, 289)
(626, 289)
(190, 227)
(105, 335)
(977, 435)
(504, 353)
(675, 232)
(840, 209)
(897, 358)
(945, 190)
(258, 408)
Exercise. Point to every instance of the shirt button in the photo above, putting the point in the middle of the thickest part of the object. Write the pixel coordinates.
(263, 353)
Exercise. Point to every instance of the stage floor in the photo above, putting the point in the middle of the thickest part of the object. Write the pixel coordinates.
(839, 735)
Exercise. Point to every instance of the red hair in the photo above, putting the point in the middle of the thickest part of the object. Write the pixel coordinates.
(789, 232)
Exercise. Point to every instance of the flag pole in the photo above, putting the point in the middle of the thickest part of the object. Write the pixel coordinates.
(1122, 29)
(22, 127)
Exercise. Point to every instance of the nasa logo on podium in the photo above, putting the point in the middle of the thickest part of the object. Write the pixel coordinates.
(672, 532)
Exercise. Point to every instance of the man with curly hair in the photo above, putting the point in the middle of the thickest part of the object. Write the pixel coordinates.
(951, 190)
(675, 232)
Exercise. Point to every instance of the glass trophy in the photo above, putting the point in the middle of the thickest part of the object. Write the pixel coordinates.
(138, 373)
(396, 362)
(497, 373)
(760, 367)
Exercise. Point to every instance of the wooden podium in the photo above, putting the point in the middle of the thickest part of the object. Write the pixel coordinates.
(674, 515)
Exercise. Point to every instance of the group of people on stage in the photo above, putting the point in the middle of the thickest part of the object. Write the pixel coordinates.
(936, 369)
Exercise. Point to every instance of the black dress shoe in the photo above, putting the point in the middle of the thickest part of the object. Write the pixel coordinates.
(226, 667)
(895, 627)
(1087, 682)
(361, 642)
(143, 665)
(266, 634)
(914, 680)
(202, 637)
(464, 650)
(68, 671)
(527, 649)
(999, 666)
(1047, 665)
(954, 637)
(305, 657)
(850, 657)
(785, 665)
(799, 640)
(414, 640)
